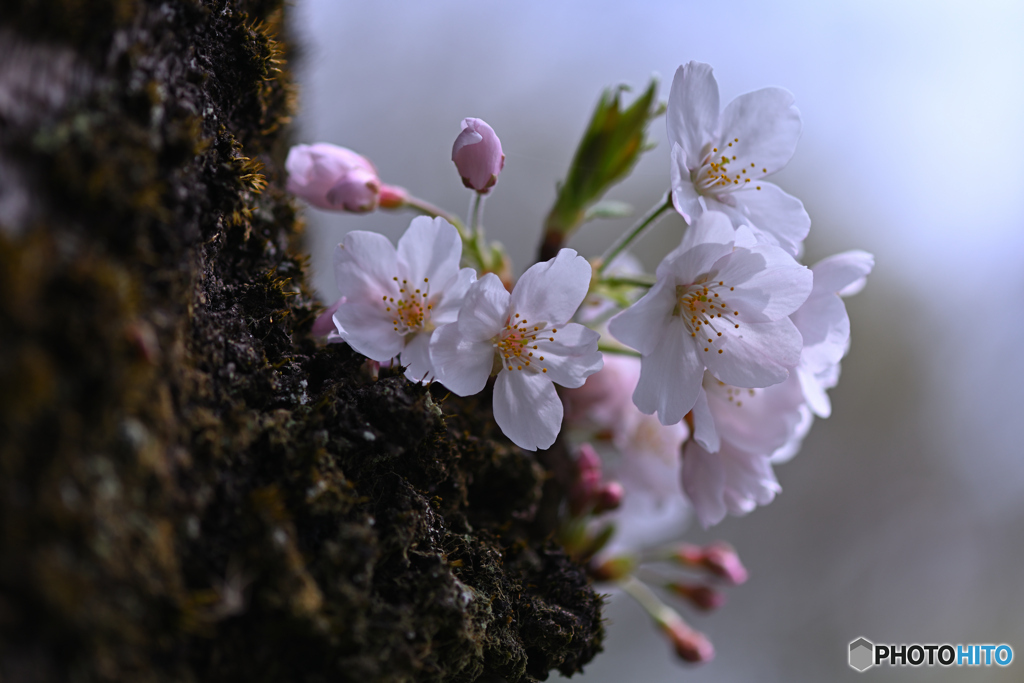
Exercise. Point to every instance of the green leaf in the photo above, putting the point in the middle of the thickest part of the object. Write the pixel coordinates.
(611, 145)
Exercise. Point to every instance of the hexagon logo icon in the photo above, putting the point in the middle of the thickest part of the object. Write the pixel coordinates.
(862, 654)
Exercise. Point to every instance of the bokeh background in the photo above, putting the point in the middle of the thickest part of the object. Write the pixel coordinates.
(902, 519)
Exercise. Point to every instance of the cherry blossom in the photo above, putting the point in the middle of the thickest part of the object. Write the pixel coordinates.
(715, 305)
(825, 326)
(727, 465)
(720, 159)
(526, 337)
(395, 299)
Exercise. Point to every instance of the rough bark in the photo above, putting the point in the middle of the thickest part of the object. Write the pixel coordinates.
(191, 487)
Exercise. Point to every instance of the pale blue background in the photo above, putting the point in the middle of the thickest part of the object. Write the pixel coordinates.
(901, 519)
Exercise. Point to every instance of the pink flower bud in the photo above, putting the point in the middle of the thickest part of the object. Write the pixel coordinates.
(609, 497)
(332, 177)
(324, 325)
(691, 646)
(722, 561)
(587, 484)
(718, 558)
(477, 155)
(702, 597)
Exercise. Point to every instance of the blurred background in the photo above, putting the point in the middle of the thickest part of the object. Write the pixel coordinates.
(902, 519)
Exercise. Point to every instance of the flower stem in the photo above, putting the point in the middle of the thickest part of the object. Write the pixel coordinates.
(476, 213)
(473, 237)
(625, 282)
(621, 350)
(646, 598)
(429, 209)
(634, 232)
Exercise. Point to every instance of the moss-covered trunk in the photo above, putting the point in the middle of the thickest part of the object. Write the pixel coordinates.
(191, 488)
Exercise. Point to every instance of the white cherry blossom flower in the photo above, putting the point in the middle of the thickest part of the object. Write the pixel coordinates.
(395, 299)
(731, 481)
(715, 305)
(825, 326)
(526, 337)
(719, 160)
(736, 432)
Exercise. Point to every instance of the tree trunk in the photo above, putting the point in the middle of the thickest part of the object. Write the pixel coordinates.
(191, 487)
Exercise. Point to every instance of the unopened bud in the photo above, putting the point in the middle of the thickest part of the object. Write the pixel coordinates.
(614, 568)
(393, 197)
(324, 325)
(609, 497)
(477, 155)
(332, 177)
(691, 646)
(587, 485)
(722, 561)
(718, 558)
(703, 598)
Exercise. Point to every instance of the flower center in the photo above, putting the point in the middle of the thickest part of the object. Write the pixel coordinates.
(411, 311)
(720, 172)
(517, 348)
(704, 311)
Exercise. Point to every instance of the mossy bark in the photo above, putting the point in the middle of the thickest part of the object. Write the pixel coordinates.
(191, 487)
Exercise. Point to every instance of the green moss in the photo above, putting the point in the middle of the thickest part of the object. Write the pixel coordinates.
(191, 488)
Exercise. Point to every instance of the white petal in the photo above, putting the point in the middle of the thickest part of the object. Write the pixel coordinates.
(693, 110)
(416, 359)
(843, 273)
(767, 125)
(368, 329)
(707, 241)
(527, 408)
(704, 483)
(749, 480)
(756, 420)
(461, 364)
(670, 376)
(825, 328)
(430, 248)
(552, 291)
(768, 283)
(778, 214)
(446, 310)
(817, 399)
(364, 265)
(755, 355)
(712, 227)
(646, 322)
(571, 357)
(704, 430)
(484, 311)
(685, 197)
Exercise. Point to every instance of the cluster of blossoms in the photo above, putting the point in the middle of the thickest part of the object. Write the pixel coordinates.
(713, 368)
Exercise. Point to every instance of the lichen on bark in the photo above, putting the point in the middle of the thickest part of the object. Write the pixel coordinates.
(191, 487)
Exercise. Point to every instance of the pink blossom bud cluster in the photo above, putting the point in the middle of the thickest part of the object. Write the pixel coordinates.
(588, 493)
